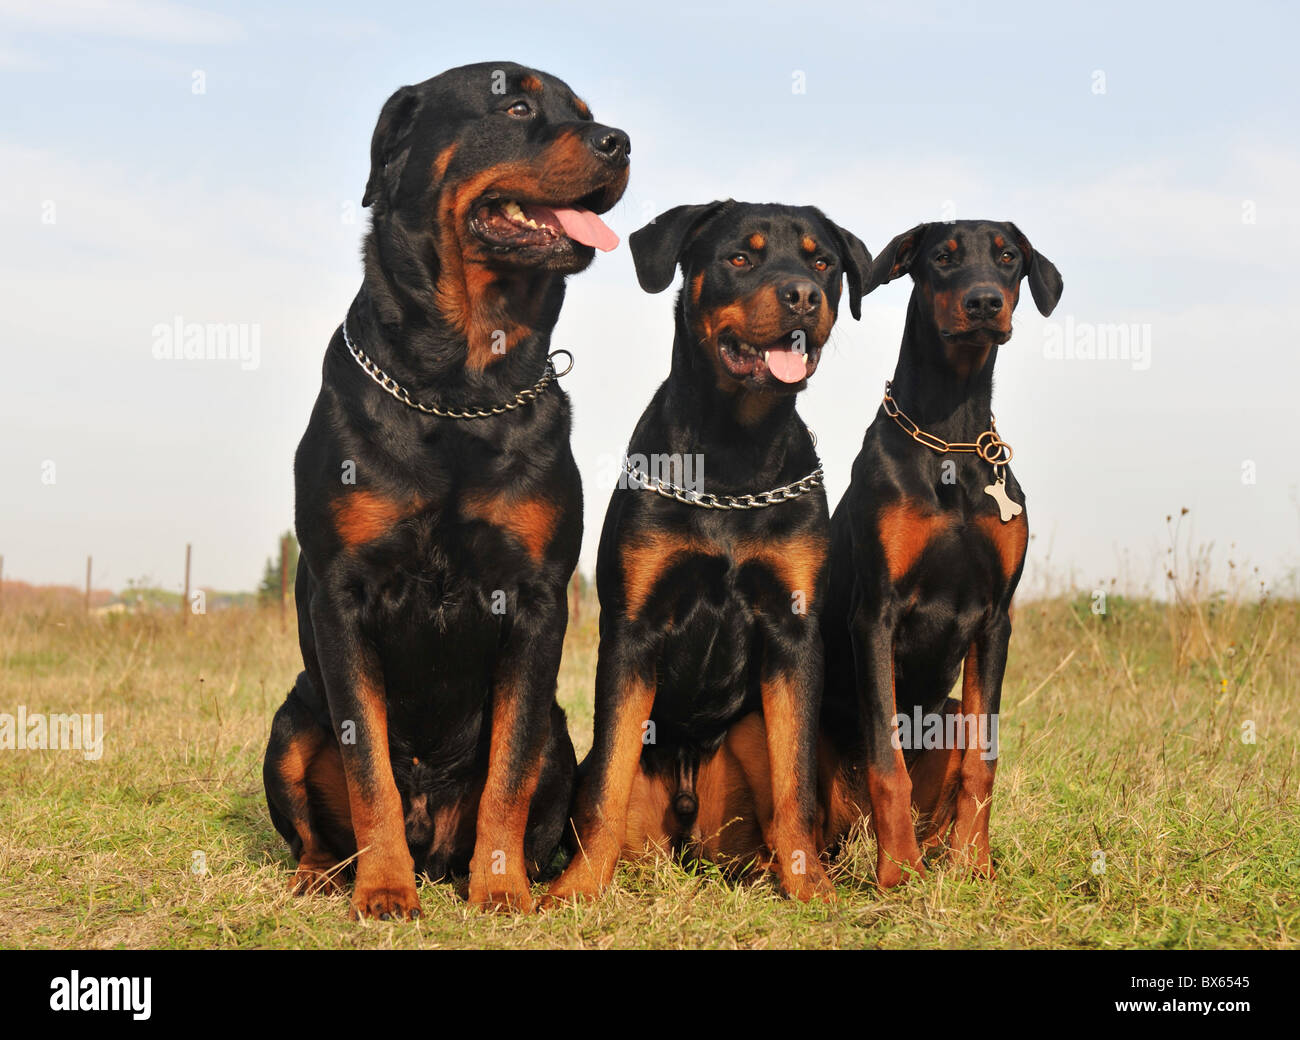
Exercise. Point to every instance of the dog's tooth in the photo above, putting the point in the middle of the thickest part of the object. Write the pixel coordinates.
(766, 355)
(803, 358)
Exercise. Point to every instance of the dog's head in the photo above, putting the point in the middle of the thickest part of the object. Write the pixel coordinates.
(761, 286)
(485, 187)
(967, 276)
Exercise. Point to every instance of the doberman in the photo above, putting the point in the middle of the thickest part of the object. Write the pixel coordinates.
(927, 547)
(710, 589)
(439, 507)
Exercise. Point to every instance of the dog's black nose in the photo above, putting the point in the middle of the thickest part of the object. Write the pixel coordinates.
(610, 144)
(802, 296)
(982, 302)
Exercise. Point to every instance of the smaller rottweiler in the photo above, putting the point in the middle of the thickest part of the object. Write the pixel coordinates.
(927, 546)
(712, 560)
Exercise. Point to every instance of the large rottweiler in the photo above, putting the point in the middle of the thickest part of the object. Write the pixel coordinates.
(712, 560)
(439, 507)
(927, 546)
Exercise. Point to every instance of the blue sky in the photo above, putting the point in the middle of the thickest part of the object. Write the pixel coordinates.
(1167, 199)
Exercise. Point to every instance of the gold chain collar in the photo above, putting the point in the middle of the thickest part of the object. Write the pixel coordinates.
(988, 446)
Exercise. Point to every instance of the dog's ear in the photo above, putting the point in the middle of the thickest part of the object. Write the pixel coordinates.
(1045, 281)
(856, 260)
(388, 146)
(896, 258)
(657, 247)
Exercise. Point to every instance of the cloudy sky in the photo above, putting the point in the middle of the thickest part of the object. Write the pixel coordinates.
(205, 163)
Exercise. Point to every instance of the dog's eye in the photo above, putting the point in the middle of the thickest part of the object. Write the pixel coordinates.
(943, 258)
(520, 110)
(738, 260)
(1007, 256)
(820, 264)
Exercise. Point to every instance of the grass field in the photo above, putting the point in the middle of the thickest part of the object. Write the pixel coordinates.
(1129, 810)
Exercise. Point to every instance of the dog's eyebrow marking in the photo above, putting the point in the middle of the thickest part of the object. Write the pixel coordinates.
(757, 241)
(581, 106)
(531, 84)
(999, 241)
(808, 245)
(952, 245)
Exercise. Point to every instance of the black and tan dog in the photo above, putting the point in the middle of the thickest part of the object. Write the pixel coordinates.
(439, 507)
(927, 547)
(710, 591)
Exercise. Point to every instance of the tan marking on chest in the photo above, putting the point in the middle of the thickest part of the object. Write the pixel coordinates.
(905, 531)
(797, 561)
(363, 516)
(530, 521)
(645, 559)
(1010, 540)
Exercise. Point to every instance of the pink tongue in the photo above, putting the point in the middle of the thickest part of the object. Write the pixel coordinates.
(787, 365)
(584, 226)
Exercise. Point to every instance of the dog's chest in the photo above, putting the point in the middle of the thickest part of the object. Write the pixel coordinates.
(672, 578)
(449, 566)
(715, 604)
(962, 553)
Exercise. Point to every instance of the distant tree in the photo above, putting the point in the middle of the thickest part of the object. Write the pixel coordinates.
(269, 590)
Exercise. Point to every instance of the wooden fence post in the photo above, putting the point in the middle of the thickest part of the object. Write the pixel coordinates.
(185, 601)
(284, 581)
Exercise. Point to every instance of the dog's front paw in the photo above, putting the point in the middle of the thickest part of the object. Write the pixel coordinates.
(501, 894)
(316, 877)
(976, 859)
(579, 883)
(385, 899)
(807, 887)
(891, 872)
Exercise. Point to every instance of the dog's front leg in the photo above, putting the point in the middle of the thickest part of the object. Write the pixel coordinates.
(522, 691)
(981, 698)
(791, 701)
(888, 785)
(625, 693)
(354, 687)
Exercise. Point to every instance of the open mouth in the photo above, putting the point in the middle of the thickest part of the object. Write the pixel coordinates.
(513, 225)
(788, 360)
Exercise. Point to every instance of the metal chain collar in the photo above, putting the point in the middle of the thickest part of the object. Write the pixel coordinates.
(391, 385)
(988, 446)
(711, 501)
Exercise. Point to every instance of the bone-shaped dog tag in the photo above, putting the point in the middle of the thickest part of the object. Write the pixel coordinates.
(1006, 507)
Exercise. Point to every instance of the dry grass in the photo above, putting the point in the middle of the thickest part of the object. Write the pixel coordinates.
(1121, 734)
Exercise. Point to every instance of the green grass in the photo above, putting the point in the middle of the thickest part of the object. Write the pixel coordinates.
(1121, 734)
